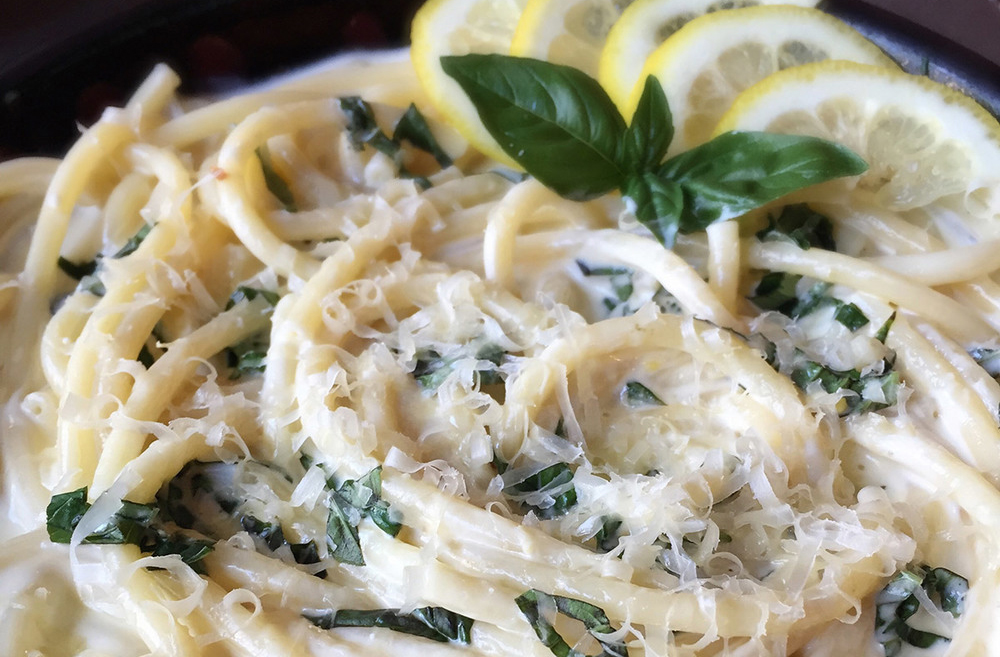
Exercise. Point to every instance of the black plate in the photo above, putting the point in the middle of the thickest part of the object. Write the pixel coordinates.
(219, 44)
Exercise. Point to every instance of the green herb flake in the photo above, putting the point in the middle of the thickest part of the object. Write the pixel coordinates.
(133, 243)
(434, 623)
(363, 129)
(551, 479)
(898, 602)
(608, 535)
(412, 127)
(883, 332)
(133, 523)
(636, 395)
(342, 535)
(246, 293)
(776, 291)
(77, 270)
(63, 514)
(277, 185)
(851, 316)
(533, 604)
(799, 225)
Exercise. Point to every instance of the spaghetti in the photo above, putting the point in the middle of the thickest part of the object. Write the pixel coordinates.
(282, 385)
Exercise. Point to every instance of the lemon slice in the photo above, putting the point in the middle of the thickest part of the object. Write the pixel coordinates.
(709, 61)
(644, 25)
(460, 27)
(924, 142)
(570, 32)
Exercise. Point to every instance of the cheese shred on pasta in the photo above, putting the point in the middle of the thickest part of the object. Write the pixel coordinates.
(272, 386)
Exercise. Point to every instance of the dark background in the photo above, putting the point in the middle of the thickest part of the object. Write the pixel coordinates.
(62, 61)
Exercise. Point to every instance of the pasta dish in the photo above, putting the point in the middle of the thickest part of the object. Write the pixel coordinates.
(320, 369)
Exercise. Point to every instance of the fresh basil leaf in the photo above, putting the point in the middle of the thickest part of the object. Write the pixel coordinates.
(547, 480)
(412, 127)
(362, 128)
(659, 204)
(555, 121)
(652, 129)
(739, 171)
(636, 395)
(277, 185)
(63, 514)
(799, 225)
(595, 621)
(608, 535)
(77, 270)
(435, 623)
(128, 525)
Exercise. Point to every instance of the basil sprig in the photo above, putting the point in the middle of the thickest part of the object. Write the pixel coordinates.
(561, 126)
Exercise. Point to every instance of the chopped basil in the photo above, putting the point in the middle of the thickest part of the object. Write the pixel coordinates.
(363, 129)
(146, 357)
(133, 523)
(365, 495)
(851, 316)
(349, 503)
(77, 270)
(63, 514)
(776, 291)
(898, 602)
(832, 381)
(249, 356)
(133, 243)
(247, 293)
(412, 127)
(432, 369)
(553, 483)
(533, 605)
(434, 623)
(801, 226)
(637, 395)
(882, 334)
(608, 535)
(342, 535)
(779, 291)
(277, 185)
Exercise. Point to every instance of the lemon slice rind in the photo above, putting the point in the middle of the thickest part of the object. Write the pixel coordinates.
(706, 63)
(923, 141)
(459, 27)
(643, 26)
